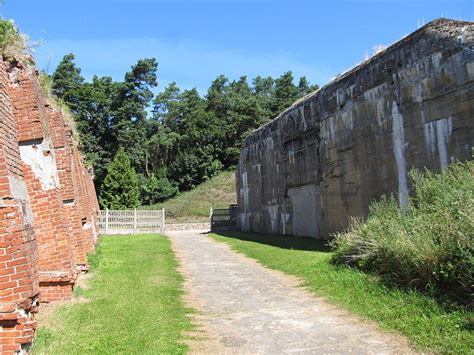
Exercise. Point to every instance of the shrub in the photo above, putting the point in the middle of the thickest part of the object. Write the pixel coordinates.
(13, 43)
(154, 190)
(120, 187)
(428, 245)
(189, 170)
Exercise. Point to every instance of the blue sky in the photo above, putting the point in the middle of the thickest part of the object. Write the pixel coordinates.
(196, 40)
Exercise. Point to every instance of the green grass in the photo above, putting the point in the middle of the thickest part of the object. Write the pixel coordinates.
(132, 304)
(419, 317)
(192, 206)
(429, 244)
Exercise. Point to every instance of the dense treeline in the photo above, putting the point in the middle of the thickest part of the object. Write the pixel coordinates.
(174, 140)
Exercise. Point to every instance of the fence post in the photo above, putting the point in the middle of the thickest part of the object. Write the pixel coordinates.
(134, 221)
(210, 214)
(106, 221)
(162, 220)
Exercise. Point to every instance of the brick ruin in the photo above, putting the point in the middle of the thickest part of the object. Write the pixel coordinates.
(48, 206)
(332, 153)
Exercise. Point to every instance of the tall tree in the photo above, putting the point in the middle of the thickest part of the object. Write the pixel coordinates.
(67, 81)
(130, 110)
(286, 93)
(304, 87)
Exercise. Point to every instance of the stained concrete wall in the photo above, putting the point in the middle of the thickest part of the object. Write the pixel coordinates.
(332, 153)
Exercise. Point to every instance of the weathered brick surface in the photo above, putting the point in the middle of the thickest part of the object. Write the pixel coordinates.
(63, 148)
(47, 206)
(19, 282)
(39, 167)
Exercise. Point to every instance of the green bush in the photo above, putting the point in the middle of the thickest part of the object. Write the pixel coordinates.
(428, 245)
(13, 43)
(120, 187)
(155, 190)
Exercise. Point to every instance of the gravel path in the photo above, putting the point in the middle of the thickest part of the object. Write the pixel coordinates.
(246, 308)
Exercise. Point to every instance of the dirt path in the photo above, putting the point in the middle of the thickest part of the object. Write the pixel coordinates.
(247, 309)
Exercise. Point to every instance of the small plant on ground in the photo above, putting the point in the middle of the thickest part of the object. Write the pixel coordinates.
(428, 245)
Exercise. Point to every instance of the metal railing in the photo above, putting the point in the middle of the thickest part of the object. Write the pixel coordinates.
(131, 221)
(223, 218)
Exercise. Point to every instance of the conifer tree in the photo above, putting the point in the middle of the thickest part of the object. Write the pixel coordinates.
(120, 186)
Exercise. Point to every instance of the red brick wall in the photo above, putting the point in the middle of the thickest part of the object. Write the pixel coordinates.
(48, 206)
(19, 282)
(55, 242)
(63, 146)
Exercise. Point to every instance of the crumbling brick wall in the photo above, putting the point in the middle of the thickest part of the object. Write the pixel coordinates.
(19, 278)
(48, 206)
(63, 146)
(56, 263)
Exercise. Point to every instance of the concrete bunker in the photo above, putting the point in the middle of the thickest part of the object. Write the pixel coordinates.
(332, 153)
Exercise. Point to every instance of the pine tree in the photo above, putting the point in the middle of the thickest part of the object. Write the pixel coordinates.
(120, 187)
(67, 80)
(286, 93)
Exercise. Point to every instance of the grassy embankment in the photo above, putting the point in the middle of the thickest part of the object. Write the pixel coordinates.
(131, 305)
(419, 317)
(193, 206)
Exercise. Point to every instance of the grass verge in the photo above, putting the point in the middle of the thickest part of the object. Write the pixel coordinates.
(420, 318)
(132, 304)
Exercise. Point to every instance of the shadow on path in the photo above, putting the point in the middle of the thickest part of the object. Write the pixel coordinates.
(280, 241)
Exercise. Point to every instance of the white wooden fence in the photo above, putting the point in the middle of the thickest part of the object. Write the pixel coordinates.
(131, 221)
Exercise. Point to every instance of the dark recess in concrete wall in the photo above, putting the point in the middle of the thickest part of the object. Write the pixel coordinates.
(333, 152)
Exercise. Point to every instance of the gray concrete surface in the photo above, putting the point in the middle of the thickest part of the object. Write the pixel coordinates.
(246, 308)
(332, 153)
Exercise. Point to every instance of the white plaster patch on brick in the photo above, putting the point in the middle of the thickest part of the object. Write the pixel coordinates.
(20, 193)
(14, 76)
(87, 225)
(40, 157)
(398, 137)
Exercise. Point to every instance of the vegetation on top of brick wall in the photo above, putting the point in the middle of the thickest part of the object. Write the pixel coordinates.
(429, 245)
(46, 84)
(14, 45)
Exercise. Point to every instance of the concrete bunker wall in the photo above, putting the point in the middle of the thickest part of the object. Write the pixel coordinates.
(336, 150)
